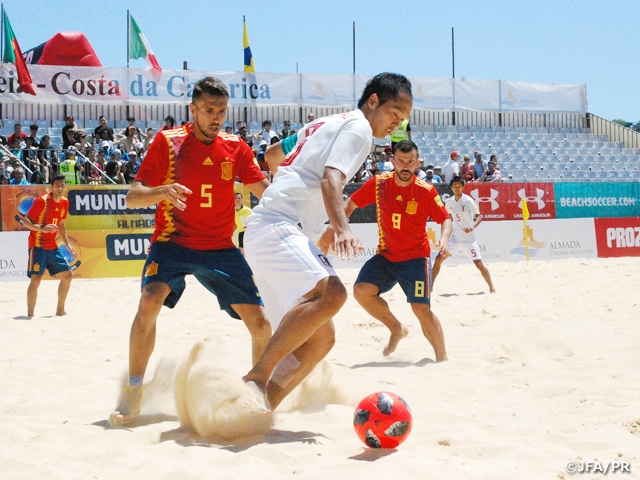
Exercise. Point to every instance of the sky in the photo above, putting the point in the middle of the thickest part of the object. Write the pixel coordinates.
(543, 41)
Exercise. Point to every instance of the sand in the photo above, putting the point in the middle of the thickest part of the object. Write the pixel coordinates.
(542, 373)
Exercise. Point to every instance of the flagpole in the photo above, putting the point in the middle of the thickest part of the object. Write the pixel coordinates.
(2, 35)
(128, 36)
(525, 215)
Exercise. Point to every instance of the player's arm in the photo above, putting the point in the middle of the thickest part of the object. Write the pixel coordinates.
(258, 188)
(275, 154)
(477, 220)
(347, 244)
(325, 243)
(62, 231)
(27, 222)
(446, 229)
(142, 196)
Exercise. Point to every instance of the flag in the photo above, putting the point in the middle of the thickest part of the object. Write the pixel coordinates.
(139, 46)
(525, 210)
(13, 54)
(248, 58)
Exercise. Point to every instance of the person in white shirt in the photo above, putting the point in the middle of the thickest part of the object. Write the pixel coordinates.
(466, 218)
(451, 168)
(300, 289)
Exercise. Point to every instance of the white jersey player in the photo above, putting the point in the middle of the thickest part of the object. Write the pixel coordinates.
(300, 289)
(466, 218)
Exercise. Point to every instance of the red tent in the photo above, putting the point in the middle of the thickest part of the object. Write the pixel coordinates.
(66, 49)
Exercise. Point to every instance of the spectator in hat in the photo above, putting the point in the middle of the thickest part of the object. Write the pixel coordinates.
(137, 132)
(431, 177)
(69, 126)
(451, 168)
(479, 166)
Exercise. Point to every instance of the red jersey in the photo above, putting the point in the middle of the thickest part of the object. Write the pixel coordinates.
(402, 214)
(45, 211)
(209, 171)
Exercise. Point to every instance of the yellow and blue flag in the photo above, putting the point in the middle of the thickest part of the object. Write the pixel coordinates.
(248, 57)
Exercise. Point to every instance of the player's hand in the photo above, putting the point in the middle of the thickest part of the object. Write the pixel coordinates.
(325, 244)
(444, 249)
(72, 250)
(175, 194)
(50, 228)
(348, 246)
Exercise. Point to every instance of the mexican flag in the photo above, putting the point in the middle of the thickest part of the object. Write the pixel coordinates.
(13, 54)
(139, 46)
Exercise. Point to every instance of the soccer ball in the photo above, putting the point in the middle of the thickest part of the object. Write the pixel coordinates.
(382, 420)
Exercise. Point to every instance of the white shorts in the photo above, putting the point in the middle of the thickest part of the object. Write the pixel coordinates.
(286, 265)
(471, 248)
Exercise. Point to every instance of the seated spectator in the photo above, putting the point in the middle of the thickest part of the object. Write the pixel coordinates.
(267, 133)
(15, 148)
(112, 168)
(134, 162)
(94, 166)
(169, 123)
(5, 177)
(126, 175)
(286, 130)
(479, 166)
(491, 175)
(128, 142)
(149, 138)
(32, 160)
(37, 179)
(17, 133)
(466, 167)
(69, 140)
(33, 133)
(494, 158)
(104, 131)
(48, 155)
(311, 117)
(244, 135)
(239, 125)
(19, 177)
(137, 133)
(69, 126)
(431, 177)
(83, 141)
(228, 130)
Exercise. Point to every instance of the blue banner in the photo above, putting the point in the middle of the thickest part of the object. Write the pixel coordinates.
(597, 200)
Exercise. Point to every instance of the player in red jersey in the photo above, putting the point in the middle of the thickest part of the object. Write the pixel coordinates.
(403, 205)
(46, 219)
(189, 172)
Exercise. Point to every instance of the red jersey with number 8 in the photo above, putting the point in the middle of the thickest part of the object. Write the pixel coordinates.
(209, 171)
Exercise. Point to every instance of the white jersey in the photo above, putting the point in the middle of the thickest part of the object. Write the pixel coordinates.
(340, 141)
(450, 170)
(462, 213)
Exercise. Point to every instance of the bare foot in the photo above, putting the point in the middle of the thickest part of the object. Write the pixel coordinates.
(259, 389)
(444, 358)
(492, 290)
(394, 340)
(60, 313)
(128, 406)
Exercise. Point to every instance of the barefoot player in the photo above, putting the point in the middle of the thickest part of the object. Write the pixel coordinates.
(189, 172)
(466, 218)
(403, 205)
(46, 219)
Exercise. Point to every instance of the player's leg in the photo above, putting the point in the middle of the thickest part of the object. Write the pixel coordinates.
(32, 294)
(255, 319)
(436, 266)
(372, 280)
(431, 328)
(63, 291)
(297, 365)
(297, 327)
(485, 274)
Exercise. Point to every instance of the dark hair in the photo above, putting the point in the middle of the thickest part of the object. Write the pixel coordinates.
(266, 122)
(492, 158)
(56, 177)
(171, 120)
(45, 137)
(457, 179)
(406, 146)
(211, 86)
(33, 127)
(388, 86)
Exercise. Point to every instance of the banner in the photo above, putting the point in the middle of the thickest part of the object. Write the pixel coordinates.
(618, 237)
(13, 256)
(91, 207)
(131, 86)
(597, 199)
(503, 201)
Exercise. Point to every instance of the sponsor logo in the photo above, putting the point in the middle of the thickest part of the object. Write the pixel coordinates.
(528, 238)
(207, 161)
(412, 207)
(491, 199)
(128, 247)
(537, 199)
(102, 202)
(620, 237)
(325, 260)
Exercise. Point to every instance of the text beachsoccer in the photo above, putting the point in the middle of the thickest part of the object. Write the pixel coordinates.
(597, 201)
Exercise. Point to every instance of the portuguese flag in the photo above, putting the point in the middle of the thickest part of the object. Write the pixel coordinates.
(139, 46)
(13, 54)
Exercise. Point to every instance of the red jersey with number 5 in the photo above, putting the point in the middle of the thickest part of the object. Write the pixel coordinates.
(209, 171)
(402, 214)
(45, 211)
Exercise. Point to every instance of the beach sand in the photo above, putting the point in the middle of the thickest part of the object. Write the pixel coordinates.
(542, 373)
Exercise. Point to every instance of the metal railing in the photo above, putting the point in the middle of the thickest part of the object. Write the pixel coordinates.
(615, 131)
